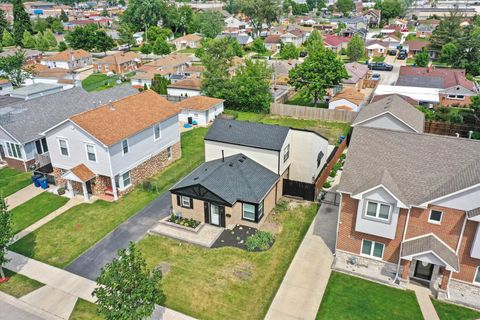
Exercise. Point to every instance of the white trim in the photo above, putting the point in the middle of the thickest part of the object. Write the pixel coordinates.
(359, 195)
(412, 256)
(477, 283)
(8, 134)
(243, 212)
(372, 249)
(387, 112)
(159, 131)
(182, 203)
(435, 221)
(431, 234)
(86, 144)
(60, 147)
(449, 195)
(377, 210)
(43, 133)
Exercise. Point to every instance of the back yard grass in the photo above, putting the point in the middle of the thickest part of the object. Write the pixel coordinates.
(448, 311)
(352, 298)
(299, 100)
(65, 238)
(35, 209)
(223, 283)
(12, 180)
(329, 129)
(99, 82)
(18, 285)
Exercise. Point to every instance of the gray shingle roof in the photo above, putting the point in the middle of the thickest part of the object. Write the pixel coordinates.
(36, 88)
(257, 135)
(430, 243)
(397, 107)
(473, 213)
(25, 120)
(238, 178)
(416, 167)
(424, 82)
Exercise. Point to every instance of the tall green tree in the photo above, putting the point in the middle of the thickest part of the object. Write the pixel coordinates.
(314, 42)
(159, 84)
(449, 53)
(39, 25)
(390, 9)
(177, 19)
(63, 16)
(21, 21)
(28, 40)
(316, 4)
(260, 12)
(146, 48)
(7, 39)
(161, 47)
(345, 6)
(127, 290)
(3, 21)
(103, 42)
(50, 38)
(422, 58)
(289, 51)
(322, 69)
(156, 32)
(448, 31)
(82, 37)
(141, 14)
(209, 24)
(258, 46)
(62, 46)
(355, 48)
(126, 35)
(14, 68)
(57, 26)
(6, 233)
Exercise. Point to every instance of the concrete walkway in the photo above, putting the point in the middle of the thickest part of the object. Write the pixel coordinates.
(52, 300)
(23, 195)
(302, 289)
(13, 308)
(71, 203)
(424, 301)
(205, 237)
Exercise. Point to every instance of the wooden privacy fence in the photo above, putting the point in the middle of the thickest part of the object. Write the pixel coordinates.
(332, 159)
(312, 113)
(450, 129)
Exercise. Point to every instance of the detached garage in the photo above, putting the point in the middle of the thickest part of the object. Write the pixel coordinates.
(200, 110)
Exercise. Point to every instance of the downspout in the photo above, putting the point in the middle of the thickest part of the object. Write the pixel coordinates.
(401, 244)
(338, 222)
(456, 251)
(112, 178)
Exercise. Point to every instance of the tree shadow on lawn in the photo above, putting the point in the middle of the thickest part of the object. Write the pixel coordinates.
(25, 246)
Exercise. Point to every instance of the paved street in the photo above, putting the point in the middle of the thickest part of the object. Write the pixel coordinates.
(89, 264)
(9, 312)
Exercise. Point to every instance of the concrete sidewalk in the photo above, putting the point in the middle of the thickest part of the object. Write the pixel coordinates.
(302, 289)
(13, 308)
(71, 203)
(22, 195)
(424, 301)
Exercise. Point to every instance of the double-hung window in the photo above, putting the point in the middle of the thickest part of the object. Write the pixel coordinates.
(14, 150)
(186, 201)
(372, 248)
(249, 211)
(157, 131)
(126, 179)
(378, 210)
(286, 153)
(63, 147)
(477, 276)
(91, 155)
(41, 146)
(125, 147)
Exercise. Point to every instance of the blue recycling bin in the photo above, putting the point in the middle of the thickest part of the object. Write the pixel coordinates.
(43, 183)
(35, 179)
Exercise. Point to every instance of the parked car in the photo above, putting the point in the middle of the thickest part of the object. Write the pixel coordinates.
(402, 55)
(381, 66)
(375, 77)
(392, 52)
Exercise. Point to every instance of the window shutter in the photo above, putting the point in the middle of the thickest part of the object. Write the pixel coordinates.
(222, 216)
(191, 203)
(206, 211)
(178, 200)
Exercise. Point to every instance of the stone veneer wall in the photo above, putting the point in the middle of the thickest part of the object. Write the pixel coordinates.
(464, 293)
(18, 164)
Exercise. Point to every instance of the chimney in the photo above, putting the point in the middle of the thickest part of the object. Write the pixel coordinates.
(112, 108)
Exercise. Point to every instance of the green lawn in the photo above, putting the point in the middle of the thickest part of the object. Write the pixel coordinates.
(379, 59)
(12, 180)
(448, 311)
(35, 209)
(187, 50)
(299, 100)
(352, 298)
(329, 129)
(18, 285)
(99, 82)
(85, 310)
(62, 240)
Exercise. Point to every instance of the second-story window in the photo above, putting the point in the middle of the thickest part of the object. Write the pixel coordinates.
(378, 210)
(125, 147)
(157, 131)
(91, 152)
(286, 153)
(63, 147)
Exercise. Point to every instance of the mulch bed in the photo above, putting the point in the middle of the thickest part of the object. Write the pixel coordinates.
(235, 237)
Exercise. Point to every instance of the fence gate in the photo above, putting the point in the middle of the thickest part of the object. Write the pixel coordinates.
(330, 197)
(299, 189)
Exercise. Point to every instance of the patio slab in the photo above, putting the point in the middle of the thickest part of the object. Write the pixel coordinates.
(205, 237)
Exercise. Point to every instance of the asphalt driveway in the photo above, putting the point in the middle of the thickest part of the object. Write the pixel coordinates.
(325, 224)
(90, 263)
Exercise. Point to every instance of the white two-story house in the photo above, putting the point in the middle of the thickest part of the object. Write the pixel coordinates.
(107, 150)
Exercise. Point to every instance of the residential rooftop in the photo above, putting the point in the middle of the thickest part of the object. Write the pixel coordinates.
(199, 103)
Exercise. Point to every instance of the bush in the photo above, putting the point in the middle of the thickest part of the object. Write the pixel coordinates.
(61, 191)
(337, 166)
(191, 223)
(333, 173)
(260, 241)
(327, 184)
(476, 135)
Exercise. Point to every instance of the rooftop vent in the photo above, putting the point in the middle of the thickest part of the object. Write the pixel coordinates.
(196, 178)
(230, 164)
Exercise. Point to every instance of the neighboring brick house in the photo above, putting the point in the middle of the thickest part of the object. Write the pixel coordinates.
(454, 87)
(410, 209)
(357, 73)
(21, 145)
(416, 46)
(188, 41)
(373, 17)
(69, 59)
(376, 48)
(203, 110)
(107, 150)
(273, 42)
(424, 30)
(31, 56)
(166, 66)
(336, 43)
(119, 63)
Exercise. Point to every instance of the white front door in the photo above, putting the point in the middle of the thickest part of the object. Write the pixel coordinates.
(214, 215)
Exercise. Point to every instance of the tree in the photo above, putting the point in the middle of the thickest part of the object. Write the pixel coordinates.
(209, 24)
(127, 290)
(449, 53)
(42, 42)
(155, 32)
(345, 6)
(315, 4)
(39, 25)
(3, 21)
(6, 233)
(57, 26)
(159, 84)
(448, 31)
(62, 46)
(260, 12)
(7, 39)
(141, 14)
(355, 48)
(322, 69)
(63, 16)
(146, 48)
(249, 89)
(126, 35)
(52, 41)
(82, 37)
(314, 42)
(14, 70)
(235, 47)
(390, 9)
(21, 21)
(259, 46)
(161, 47)
(103, 42)
(28, 40)
(177, 19)
(422, 58)
(289, 51)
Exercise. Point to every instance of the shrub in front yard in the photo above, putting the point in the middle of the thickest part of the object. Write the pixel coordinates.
(260, 241)
(191, 223)
(327, 184)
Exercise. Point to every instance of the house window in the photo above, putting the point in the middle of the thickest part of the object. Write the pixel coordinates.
(63, 147)
(319, 158)
(249, 211)
(477, 276)
(157, 132)
(126, 179)
(91, 152)
(378, 210)
(14, 150)
(286, 153)
(372, 248)
(186, 201)
(125, 148)
(435, 216)
(41, 146)
(260, 211)
(456, 96)
(169, 153)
